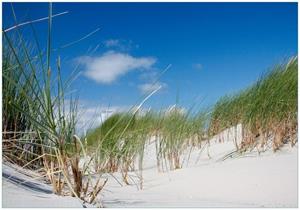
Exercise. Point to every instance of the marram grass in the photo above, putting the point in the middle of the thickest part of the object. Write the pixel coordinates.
(267, 110)
(122, 138)
(39, 119)
(35, 116)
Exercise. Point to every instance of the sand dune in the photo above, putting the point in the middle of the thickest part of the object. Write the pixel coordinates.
(206, 180)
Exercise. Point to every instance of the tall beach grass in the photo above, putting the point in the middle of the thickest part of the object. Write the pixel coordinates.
(39, 118)
(267, 110)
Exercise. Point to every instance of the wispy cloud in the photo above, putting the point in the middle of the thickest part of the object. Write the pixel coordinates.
(120, 44)
(112, 43)
(151, 82)
(149, 87)
(111, 65)
(149, 76)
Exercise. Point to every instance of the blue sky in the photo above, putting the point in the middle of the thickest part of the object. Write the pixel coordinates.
(214, 48)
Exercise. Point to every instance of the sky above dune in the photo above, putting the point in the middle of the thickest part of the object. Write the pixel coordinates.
(121, 49)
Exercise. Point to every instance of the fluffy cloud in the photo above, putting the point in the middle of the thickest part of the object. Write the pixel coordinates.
(111, 65)
(150, 87)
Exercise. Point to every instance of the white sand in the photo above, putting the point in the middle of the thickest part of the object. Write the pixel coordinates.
(20, 190)
(266, 180)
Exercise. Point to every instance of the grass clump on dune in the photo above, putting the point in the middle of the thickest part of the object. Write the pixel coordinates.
(120, 143)
(174, 135)
(266, 110)
(122, 138)
(39, 119)
(112, 140)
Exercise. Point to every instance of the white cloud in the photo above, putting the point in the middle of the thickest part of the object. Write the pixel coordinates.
(111, 65)
(150, 87)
